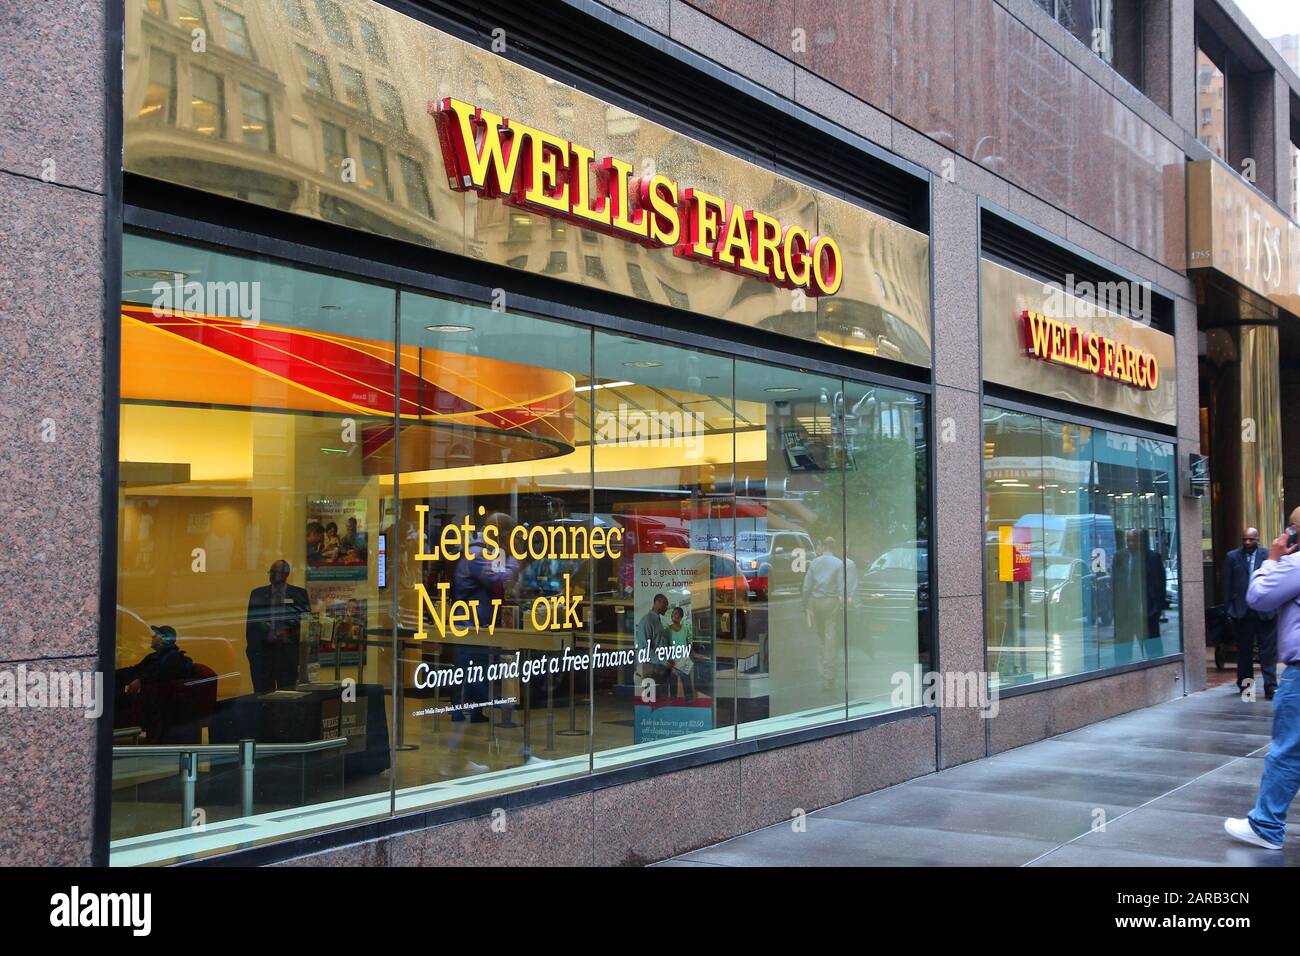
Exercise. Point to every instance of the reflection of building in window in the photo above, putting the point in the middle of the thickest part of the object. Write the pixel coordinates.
(1210, 94)
(354, 89)
(520, 229)
(237, 38)
(316, 72)
(390, 102)
(374, 169)
(297, 16)
(189, 14)
(336, 23)
(417, 189)
(637, 278)
(676, 297)
(208, 103)
(335, 142)
(160, 94)
(257, 129)
(595, 268)
(556, 263)
(373, 43)
(156, 7)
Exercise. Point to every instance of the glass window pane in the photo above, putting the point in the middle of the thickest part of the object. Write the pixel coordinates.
(236, 27)
(159, 104)
(790, 517)
(354, 89)
(1157, 518)
(315, 72)
(258, 130)
(1210, 105)
(335, 21)
(335, 142)
(672, 616)
(390, 101)
(189, 14)
(208, 103)
(295, 14)
(374, 43)
(374, 169)
(417, 189)
(498, 554)
(1075, 591)
(256, 400)
(879, 438)
(1015, 623)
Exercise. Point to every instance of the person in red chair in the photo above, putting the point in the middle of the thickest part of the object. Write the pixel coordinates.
(140, 686)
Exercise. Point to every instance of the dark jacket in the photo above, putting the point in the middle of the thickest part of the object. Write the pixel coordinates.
(1236, 579)
(170, 663)
(267, 618)
(1138, 585)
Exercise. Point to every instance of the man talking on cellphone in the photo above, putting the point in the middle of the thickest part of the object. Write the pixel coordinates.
(1275, 586)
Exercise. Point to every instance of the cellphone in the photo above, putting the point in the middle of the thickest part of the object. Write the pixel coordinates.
(1292, 536)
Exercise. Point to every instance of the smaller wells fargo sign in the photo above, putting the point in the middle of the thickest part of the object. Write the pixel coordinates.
(1052, 340)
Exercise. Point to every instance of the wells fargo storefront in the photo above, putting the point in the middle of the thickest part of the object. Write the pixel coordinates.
(551, 442)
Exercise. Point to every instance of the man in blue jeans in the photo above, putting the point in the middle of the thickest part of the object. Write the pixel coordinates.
(1275, 586)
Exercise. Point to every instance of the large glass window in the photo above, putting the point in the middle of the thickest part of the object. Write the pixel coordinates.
(369, 565)
(256, 423)
(1211, 105)
(1081, 548)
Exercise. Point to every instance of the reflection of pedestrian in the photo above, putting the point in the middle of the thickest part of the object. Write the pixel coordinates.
(1129, 582)
(273, 630)
(823, 601)
(1275, 587)
(1249, 627)
(479, 581)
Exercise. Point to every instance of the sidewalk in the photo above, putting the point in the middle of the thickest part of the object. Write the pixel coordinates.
(1165, 777)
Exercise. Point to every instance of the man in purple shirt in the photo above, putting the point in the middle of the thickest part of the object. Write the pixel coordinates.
(1275, 586)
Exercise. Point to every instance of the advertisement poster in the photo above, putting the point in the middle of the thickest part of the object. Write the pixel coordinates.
(337, 549)
(341, 610)
(683, 579)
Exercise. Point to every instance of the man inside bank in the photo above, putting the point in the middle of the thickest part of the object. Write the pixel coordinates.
(274, 630)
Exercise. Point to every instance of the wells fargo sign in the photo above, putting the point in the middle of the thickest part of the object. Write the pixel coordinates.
(547, 174)
(1055, 341)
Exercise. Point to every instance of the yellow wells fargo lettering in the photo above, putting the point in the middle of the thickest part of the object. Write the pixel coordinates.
(535, 170)
(1055, 341)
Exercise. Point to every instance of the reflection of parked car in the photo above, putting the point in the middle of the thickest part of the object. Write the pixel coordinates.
(895, 588)
(1070, 584)
(765, 559)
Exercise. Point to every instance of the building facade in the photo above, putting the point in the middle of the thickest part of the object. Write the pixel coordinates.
(510, 419)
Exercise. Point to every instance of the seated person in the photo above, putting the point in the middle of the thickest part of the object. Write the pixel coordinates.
(166, 662)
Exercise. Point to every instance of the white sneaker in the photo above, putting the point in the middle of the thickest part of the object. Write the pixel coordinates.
(535, 761)
(472, 767)
(1240, 828)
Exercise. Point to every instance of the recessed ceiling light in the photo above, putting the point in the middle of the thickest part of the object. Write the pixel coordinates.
(782, 388)
(643, 363)
(450, 328)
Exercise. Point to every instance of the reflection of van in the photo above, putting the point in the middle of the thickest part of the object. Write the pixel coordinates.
(1066, 537)
(766, 558)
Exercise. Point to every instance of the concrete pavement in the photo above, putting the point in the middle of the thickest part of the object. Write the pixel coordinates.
(1162, 779)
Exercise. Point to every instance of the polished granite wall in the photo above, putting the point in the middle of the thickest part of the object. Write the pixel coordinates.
(51, 309)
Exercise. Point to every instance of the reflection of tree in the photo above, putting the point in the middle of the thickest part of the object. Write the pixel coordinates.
(881, 496)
